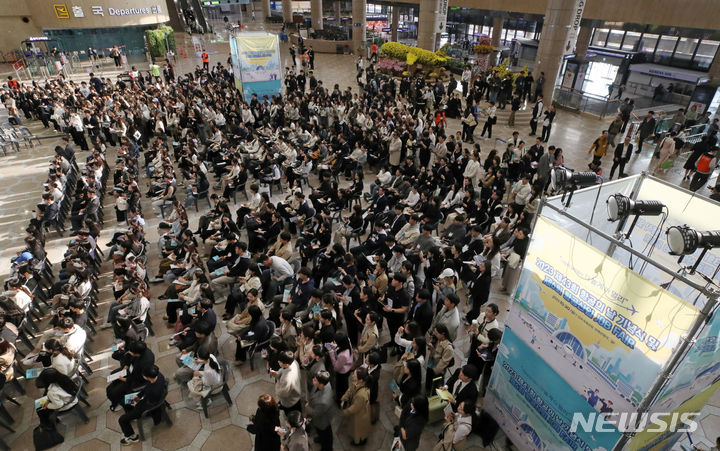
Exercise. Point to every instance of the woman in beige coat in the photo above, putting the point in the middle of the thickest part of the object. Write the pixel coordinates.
(356, 406)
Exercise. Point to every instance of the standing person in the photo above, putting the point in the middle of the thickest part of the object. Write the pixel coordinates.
(469, 123)
(115, 53)
(319, 409)
(264, 422)
(413, 419)
(646, 129)
(288, 383)
(311, 55)
(703, 169)
(465, 80)
(490, 121)
(479, 290)
(374, 52)
(495, 336)
(205, 61)
(667, 149)
(296, 438)
(614, 129)
(547, 123)
(697, 150)
(625, 111)
(599, 147)
(514, 107)
(456, 430)
(622, 154)
(441, 354)
(356, 405)
(540, 85)
(342, 360)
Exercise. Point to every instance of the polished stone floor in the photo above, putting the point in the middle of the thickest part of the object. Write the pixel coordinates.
(22, 175)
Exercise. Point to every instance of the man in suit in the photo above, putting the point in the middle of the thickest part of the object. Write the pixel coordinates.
(399, 221)
(134, 361)
(153, 393)
(646, 129)
(462, 386)
(622, 154)
(421, 311)
(350, 298)
(320, 409)
(206, 341)
(376, 207)
(90, 211)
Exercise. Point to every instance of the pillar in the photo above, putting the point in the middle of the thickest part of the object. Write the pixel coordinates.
(394, 22)
(583, 41)
(265, 4)
(338, 12)
(316, 14)
(497, 31)
(287, 11)
(359, 26)
(558, 18)
(427, 23)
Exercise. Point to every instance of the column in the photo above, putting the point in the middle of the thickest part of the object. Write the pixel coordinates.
(583, 41)
(265, 9)
(338, 12)
(287, 11)
(497, 30)
(714, 70)
(359, 26)
(558, 18)
(316, 14)
(394, 22)
(427, 22)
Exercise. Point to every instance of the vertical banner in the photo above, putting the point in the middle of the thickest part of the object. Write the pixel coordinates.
(197, 46)
(605, 331)
(259, 64)
(235, 59)
(441, 18)
(575, 26)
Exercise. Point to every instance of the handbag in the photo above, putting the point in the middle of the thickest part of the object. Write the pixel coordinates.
(397, 445)
(46, 437)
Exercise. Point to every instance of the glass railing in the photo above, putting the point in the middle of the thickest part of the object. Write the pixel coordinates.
(584, 102)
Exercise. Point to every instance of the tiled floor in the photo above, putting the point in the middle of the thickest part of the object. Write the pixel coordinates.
(22, 175)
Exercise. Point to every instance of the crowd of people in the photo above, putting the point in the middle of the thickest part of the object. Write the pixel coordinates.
(326, 282)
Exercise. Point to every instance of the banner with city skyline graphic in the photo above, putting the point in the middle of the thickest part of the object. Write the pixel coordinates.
(603, 329)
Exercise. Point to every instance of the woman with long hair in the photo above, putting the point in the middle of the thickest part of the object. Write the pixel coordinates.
(342, 360)
(410, 383)
(59, 391)
(60, 357)
(207, 376)
(413, 419)
(7, 356)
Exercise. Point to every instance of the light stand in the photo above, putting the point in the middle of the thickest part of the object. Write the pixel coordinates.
(567, 181)
(620, 207)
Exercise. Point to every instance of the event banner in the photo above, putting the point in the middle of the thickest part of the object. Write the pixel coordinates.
(235, 60)
(535, 406)
(606, 330)
(653, 438)
(693, 382)
(259, 63)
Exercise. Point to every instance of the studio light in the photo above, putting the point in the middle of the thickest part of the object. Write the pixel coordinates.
(564, 179)
(684, 240)
(620, 207)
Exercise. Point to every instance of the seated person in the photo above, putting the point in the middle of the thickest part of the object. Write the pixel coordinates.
(153, 392)
(136, 358)
(61, 393)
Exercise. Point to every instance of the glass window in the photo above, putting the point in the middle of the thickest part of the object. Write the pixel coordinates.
(684, 52)
(665, 49)
(631, 39)
(600, 37)
(647, 45)
(705, 54)
(615, 38)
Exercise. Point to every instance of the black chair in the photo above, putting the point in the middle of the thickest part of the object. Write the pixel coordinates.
(260, 345)
(220, 389)
(201, 195)
(77, 408)
(162, 407)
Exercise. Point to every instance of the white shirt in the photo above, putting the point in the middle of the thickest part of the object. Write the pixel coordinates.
(280, 267)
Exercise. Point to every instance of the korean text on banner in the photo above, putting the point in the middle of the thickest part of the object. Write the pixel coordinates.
(607, 330)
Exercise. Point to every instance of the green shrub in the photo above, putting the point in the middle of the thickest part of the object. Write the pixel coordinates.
(158, 38)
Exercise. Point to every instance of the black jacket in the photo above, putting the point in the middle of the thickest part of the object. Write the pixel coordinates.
(423, 315)
(468, 394)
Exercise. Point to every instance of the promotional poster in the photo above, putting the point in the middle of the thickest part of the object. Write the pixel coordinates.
(605, 329)
(258, 61)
